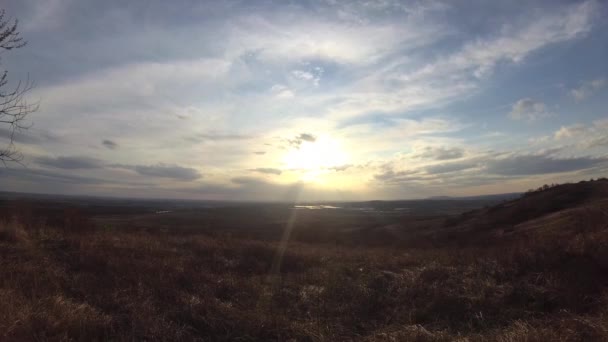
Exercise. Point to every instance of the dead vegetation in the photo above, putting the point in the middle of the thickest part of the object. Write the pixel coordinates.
(77, 281)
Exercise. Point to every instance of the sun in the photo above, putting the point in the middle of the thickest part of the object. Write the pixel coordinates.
(314, 158)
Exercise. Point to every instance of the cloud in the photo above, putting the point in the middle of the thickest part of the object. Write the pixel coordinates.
(560, 25)
(18, 136)
(127, 85)
(378, 78)
(303, 75)
(31, 136)
(42, 176)
(109, 144)
(524, 165)
(307, 137)
(391, 176)
(528, 109)
(441, 177)
(217, 136)
(247, 181)
(300, 138)
(488, 167)
(599, 142)
(404, 85)
(163, 171)
(268, 170)
(340, 167)
(441, 153)
(313, 76)
(168, 171)
(46, 15)
(451, 167)
(585, 136)
(281, 91)
(282, 37)
(71, 163)
(599, 134)
(53, 181)
(570, 131)
(588, 88)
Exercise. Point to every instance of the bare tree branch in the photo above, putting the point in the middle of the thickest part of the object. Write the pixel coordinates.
(14, 108)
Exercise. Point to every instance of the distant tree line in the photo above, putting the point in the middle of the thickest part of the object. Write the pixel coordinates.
(553, 185)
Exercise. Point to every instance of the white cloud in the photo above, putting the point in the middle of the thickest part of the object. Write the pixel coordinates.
(515, 44)
(440, 153)
(281, 91)
(303, 75)
(313, 76)
(570, 131)
(585, 137)
(529, 110)
(284, 38)
(403, 85)
(587, 89)
(132, 83)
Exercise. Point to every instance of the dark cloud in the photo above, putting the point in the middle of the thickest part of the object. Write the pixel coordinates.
(519, 164)
(109, 144)
(299, 139)
(46, 176)
(214, 136)
(598, 142)
(71, 162)
(259, 153)
(44, 180)
(307, 137)
(247, 180)
(441, 153)
(162, 170)
(391, 176)
(456, 179)
(340, 168)
(18, 137)
(491, 168)
(168, 171)
(30, 136)
(523, 165)
(451, 167)
(267, 170)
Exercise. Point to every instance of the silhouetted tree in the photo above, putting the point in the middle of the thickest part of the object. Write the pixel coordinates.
(13, 107)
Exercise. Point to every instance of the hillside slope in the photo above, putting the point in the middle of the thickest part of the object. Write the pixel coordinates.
(562, 209)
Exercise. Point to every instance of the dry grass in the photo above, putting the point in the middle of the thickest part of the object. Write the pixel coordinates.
(73, 283)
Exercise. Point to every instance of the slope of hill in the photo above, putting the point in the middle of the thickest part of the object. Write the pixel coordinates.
(562, 209)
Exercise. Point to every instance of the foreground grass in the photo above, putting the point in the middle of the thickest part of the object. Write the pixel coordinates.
(68, 284)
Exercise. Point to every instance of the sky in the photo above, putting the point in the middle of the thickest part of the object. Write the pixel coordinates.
(309, 100)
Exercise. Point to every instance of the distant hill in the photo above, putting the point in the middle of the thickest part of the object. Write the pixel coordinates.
(494, 197)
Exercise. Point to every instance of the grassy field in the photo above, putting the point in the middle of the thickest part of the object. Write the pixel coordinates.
(541, 277)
